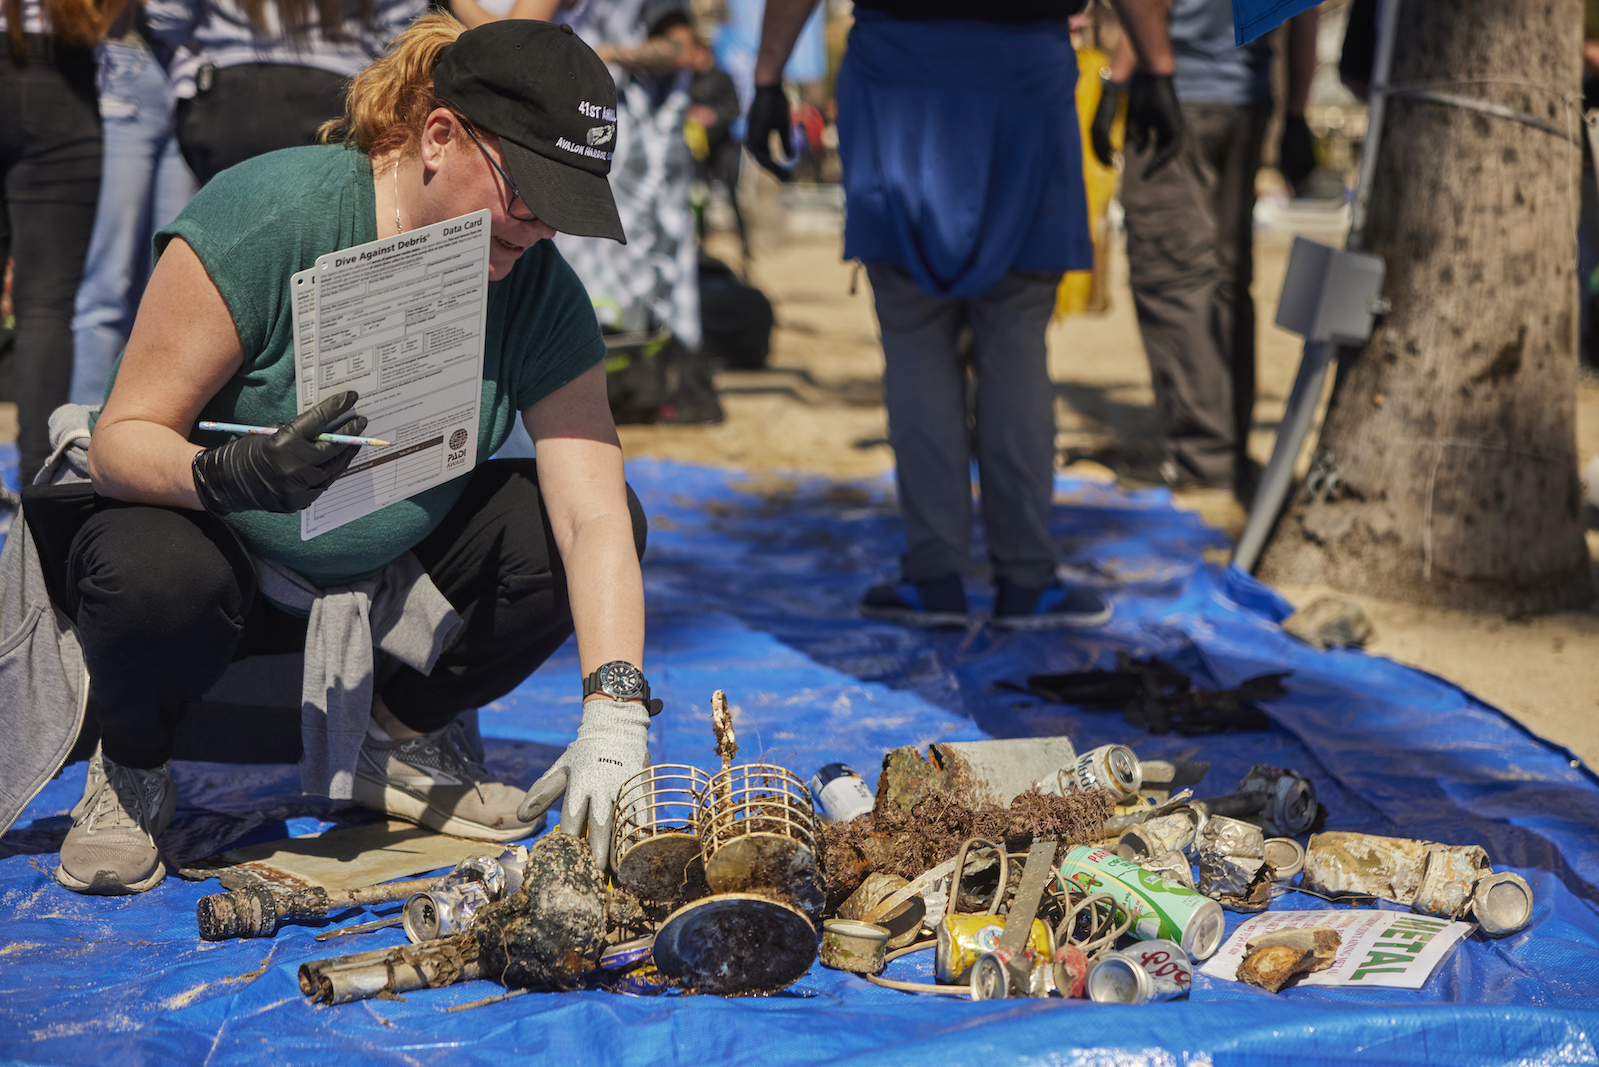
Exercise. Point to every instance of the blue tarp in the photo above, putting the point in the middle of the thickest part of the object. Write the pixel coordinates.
(756, 595)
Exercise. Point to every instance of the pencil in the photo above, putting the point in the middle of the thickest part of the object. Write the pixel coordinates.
(336, 438)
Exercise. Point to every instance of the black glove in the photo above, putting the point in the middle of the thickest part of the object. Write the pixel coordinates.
(284, 472)
(1110, 98)
(769, 113)
(1296, 156)
(1155, 120)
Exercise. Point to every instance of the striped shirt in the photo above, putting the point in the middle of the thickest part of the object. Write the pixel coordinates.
(219, 33)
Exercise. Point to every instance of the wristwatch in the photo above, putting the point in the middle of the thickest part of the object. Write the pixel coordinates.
(620, 680)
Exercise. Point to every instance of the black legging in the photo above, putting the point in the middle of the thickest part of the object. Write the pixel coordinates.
(165, 599)
(50, 157)
(252, 109)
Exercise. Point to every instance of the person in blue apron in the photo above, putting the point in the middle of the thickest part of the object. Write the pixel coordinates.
(963, 178)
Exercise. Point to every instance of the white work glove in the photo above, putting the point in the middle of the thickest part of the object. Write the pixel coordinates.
(612, 746)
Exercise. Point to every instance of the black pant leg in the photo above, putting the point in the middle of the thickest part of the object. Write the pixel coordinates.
(494, 558)
(51, 157)
(160, 597)
(253, 109)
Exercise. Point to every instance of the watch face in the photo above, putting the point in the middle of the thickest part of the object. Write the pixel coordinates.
(621, 680)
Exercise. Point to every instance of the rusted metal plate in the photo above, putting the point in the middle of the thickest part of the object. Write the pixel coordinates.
(979, 773)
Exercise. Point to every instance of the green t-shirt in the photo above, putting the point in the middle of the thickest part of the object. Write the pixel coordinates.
(256, 225)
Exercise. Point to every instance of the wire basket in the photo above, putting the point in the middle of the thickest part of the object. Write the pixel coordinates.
(760, 836)
(656, 844)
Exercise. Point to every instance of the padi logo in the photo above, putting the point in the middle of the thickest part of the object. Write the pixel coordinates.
(595, 111)
(599, 135)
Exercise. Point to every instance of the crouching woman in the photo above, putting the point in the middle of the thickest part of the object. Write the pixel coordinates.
(189, 556)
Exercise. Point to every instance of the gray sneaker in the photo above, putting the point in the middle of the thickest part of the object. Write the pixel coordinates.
(436, 781)
(111, 848)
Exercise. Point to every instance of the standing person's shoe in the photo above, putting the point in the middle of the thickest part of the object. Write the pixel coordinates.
(435, 780)
(937, 604)
(111, 849)
(1052, 607)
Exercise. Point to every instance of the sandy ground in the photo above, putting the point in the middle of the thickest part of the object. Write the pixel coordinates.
(819, 410)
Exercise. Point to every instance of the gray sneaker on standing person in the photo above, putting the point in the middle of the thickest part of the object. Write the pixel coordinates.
(112, 847)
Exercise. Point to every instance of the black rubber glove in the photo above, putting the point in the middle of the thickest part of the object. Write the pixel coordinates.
(1110, 98)
(1155, 120)
(768, 114)
(284, 472)
(1296, 156)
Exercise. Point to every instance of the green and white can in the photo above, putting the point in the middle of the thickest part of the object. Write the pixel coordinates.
(1159, 909)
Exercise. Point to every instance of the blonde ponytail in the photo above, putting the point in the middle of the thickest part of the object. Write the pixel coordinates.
(389, 101)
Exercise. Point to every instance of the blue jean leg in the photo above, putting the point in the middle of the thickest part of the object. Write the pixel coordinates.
(145, 184)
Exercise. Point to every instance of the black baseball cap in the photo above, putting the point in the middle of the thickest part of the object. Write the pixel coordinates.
(552, 104)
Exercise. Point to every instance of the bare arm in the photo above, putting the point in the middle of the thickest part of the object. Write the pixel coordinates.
(670, 52)
(1124, 60)
(585, 496)
(1301, 59)
(183, 348)
(779, 30)
(1144, 21)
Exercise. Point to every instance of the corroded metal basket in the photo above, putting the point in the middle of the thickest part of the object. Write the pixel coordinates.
(656, 841)
(760, 835)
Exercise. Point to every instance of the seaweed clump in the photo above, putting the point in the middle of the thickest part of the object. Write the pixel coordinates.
(909, 842)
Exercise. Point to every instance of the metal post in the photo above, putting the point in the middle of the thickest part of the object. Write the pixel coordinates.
(1278, 476)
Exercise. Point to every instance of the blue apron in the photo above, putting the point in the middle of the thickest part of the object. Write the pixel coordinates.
(961, 151)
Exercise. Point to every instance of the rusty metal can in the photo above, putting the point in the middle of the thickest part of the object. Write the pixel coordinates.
(444, 911)
(1143, 974)
(851, 945)
(1502, 903)
(964, 939)
(1159, 909)
(840, 793)
(1112, 767)
(1286, 856)
(903, 922)
(1448, 875)
(1289, 798)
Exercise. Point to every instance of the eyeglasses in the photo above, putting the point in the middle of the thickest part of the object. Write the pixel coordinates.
(509, 184)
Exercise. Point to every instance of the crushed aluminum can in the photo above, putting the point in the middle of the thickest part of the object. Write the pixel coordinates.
(1343, 863)
(1165, 833)
(964, 939)
(1112, 767)
(840, 793)
(483, 869)
(1286, 856)
(1159, 909)
(442, 912)
(851, 945)
(1143, 974)
(1172, 866)
(1502, 903)
(1221, 875)
(1290, 798)
(1222, 836)
(1448, 875)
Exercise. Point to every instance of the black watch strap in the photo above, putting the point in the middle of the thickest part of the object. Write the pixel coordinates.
(620, 680)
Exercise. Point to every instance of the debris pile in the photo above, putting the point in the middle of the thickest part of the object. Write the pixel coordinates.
(1025, 868)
